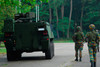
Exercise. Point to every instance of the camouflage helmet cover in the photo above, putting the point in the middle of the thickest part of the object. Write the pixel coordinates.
(78, 28)
(91, 26)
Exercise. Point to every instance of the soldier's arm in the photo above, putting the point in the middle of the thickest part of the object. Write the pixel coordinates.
(97, 36)
(83, 36)
(74, 38)
(86, 37)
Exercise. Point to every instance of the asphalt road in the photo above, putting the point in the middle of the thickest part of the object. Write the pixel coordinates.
(64, 57)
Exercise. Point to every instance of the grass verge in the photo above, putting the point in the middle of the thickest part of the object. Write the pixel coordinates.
(63, 41)
(2, 50)
(2, 44)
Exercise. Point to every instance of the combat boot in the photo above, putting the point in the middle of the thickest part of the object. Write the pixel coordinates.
(76, 59)
(92, 64)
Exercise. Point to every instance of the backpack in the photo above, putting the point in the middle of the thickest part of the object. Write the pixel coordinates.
(92, 36)
(78, 37)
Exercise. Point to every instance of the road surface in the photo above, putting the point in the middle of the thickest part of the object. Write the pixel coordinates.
(64, 57)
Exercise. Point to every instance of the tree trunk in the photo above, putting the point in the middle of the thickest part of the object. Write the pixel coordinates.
(69, 18)
(81, 15)
(50, 17)
(50, 14)
(62, 15)
(41, 4)
(62, 11)
(57, 22)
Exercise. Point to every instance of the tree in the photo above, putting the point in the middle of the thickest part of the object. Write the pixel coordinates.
(69, 18)
(50, 13)
(57, 18)
(92, 13)
(82, 12)
(62, 13)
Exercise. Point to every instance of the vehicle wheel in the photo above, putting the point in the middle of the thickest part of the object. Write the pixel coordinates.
(13, 55)
(50, 52)
(52, 48)
(10, 56)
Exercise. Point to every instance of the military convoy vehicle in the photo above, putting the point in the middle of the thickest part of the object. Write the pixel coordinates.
(24, 34)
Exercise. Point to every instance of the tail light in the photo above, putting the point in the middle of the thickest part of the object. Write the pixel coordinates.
(8, 34)
(4, 41)
(45, 33)
(47, 38)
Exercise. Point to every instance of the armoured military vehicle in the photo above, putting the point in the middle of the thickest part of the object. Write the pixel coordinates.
(24, 34)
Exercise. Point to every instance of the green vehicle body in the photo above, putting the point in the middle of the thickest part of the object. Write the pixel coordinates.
(26, 35)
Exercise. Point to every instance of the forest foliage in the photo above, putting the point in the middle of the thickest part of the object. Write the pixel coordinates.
(63, 15)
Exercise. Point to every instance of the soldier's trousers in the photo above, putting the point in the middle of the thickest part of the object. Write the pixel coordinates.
(76, 54)
(98, 46)
(92, 53)
(78, 47)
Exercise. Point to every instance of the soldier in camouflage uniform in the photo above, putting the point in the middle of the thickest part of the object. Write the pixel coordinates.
(91, 38)
(97, 41)
(78, 38)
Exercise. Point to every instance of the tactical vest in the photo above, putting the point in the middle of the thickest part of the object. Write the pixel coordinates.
(92, 36)
(79, 36)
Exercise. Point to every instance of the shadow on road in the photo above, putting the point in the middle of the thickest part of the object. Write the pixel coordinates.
(33, 58)
(26, 58)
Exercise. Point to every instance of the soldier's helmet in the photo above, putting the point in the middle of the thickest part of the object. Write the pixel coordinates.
(78, 28)
(91, 26)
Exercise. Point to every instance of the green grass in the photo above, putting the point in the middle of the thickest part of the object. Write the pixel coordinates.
(2, 50)
(63, 41)
(2, 44)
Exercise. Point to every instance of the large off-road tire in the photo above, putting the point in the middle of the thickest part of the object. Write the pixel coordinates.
(50, 52)
(9, 57)
(53, 48)
(13, 55)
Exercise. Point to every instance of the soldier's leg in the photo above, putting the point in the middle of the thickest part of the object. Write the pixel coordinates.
(91, 56)
(76, 55)
(80, 55)
(76, 52)
(94, 55)
(98, 47)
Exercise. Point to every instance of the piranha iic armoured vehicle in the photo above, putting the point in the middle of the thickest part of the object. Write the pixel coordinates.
(24, 34)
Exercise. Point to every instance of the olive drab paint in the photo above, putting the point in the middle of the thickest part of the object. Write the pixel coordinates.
(23, 34)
